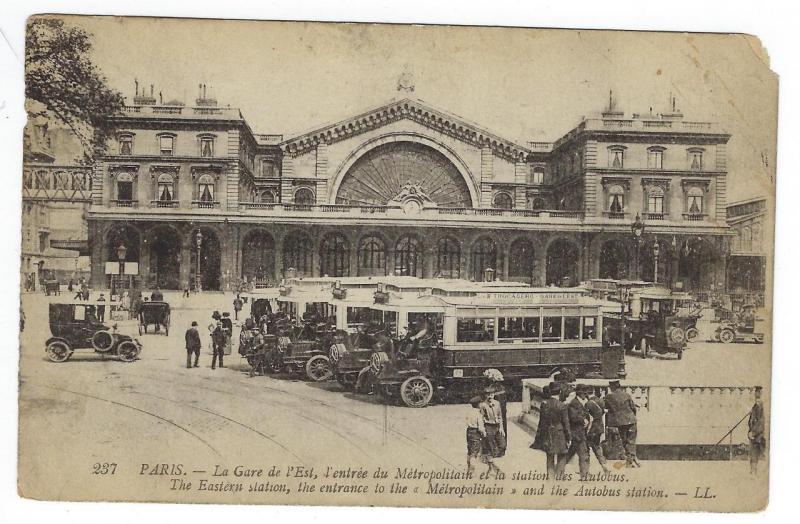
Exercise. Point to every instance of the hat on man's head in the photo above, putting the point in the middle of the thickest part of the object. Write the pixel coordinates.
(614, 383)
(226, 314)
(474, 401)
(194, 322)
(553, 388)
(583, 388)
(215, 315)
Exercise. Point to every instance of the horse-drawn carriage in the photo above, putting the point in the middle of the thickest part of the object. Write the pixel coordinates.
(156, 314)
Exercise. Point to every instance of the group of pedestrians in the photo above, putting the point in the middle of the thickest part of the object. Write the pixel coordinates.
(220, 330)
(577, 427)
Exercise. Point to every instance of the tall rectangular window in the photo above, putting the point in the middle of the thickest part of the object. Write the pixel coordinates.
(124, 190)
(167, 145)
(655, 203)
(126, 145)
(537, 177)
(696, 160)
(206, 147)
(616, 157)
(655, 159)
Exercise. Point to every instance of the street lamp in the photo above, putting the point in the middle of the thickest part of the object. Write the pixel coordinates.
(655, 260)
(121, 252)
(637, 228)
(197, 272)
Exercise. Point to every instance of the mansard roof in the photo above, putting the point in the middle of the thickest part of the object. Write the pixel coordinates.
(412, 109)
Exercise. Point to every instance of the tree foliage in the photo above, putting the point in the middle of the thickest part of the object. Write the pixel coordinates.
(60, 75)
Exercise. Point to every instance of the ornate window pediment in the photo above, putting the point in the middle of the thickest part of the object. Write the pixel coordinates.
(128, 172)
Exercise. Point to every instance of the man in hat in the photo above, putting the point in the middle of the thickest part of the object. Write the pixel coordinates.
(193, 345)
(495, 441)
(622, 416)
(597, 429)
(755, 432)
(217, 345)
(579, 420)
(101, 310)
(553, 433)
(227, 331)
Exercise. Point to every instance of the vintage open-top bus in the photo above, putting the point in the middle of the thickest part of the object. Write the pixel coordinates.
(446, 334)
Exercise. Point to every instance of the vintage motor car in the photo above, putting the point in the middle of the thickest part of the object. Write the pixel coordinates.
(156, 314)
(656, 321)
(739, 328)
(75, 326)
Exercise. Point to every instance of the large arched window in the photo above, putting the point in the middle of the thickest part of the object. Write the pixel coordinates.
(371, 256)
(408, 257)
(483, 257)
(304, 197)
(448, 258)
(335, 256)
(297, 253)
(502, 201)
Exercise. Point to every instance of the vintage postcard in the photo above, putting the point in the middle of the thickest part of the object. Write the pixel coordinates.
(397, 265)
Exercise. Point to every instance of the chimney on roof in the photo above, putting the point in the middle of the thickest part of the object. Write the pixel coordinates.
(141, 98)
(203, 99)
(673, 113)
(611, 111)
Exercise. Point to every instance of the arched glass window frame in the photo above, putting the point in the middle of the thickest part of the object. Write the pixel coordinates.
(335, 255)
(298, 253)
(496, 204)
(654, 194)
(695, 195)
(206, 181)
(616, 190)
(299, 191)
(372, 254)
(481, 259)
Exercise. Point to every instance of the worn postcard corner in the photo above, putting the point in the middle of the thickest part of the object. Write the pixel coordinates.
(336, 264)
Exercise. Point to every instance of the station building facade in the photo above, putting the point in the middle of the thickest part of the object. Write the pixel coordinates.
(198, 198)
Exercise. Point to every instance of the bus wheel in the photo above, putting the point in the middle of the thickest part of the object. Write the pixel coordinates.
(416, 391)
(319, 368)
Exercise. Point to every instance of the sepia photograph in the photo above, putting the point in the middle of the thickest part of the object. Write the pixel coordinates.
(364, 264)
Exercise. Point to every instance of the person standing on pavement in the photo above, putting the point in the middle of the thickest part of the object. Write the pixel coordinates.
(622, 416)
(755, 432)
(553, 433)
(476, 433)
(101, 310)
(217, 344)
(227, 331)
(597, 429)
(237, 306)
(495, 441)
(193, 345)
(495, 378)
(579, 420)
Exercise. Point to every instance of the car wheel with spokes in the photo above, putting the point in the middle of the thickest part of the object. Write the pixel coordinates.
(416, 391)
(128, 351)
(727, 336)
(319, 368)
(58, 351)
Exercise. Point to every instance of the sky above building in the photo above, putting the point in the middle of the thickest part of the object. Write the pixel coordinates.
(521, 84)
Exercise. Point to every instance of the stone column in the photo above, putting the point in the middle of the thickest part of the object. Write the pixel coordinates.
(278, 235)
(540, 267)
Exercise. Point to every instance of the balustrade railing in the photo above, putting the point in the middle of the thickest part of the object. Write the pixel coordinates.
(164, 203)
(205, 204)
(124, 203)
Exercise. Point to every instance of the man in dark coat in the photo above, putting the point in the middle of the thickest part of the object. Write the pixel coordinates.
(579, 419)
(622, 416)
(218, 344)
(597, 429)
(193, 345)
(755, 432)
(553, 433)
(156, 296)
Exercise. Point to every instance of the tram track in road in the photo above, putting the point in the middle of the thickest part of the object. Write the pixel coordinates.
(372, 422)
(131, 407)
(294, 410)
